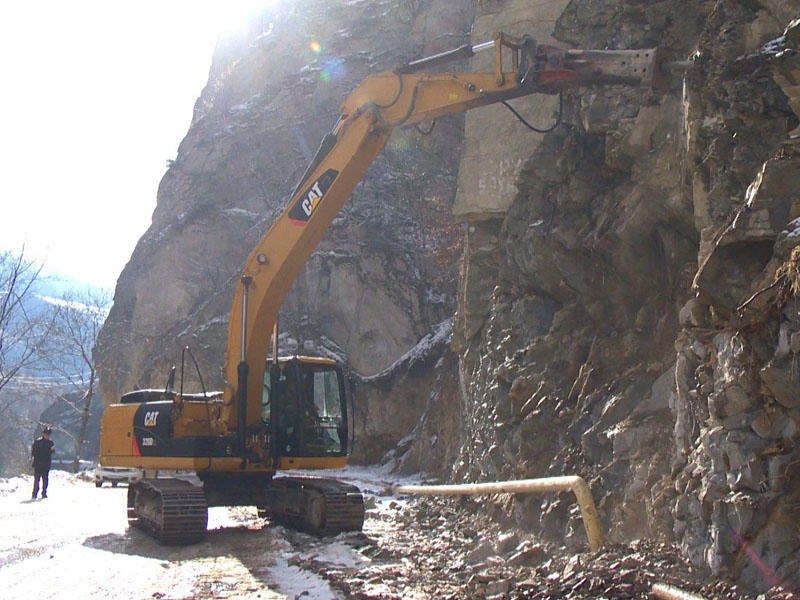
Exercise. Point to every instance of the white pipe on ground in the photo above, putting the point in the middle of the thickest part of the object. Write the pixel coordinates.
(572, 483)
(667, 592)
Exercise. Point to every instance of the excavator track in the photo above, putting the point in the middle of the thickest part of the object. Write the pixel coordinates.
(315, 505)
(173, 511)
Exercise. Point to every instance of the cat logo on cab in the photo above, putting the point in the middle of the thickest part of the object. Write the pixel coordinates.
(150, 418)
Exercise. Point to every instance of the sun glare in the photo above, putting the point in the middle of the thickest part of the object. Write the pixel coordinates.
(232, 16)
(142, 65)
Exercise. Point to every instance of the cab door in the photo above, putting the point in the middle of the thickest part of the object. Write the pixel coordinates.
(305, 409)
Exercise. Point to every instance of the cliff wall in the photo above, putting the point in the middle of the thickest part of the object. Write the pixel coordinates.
(624, 305)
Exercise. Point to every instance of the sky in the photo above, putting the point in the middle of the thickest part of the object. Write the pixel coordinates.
(96, 97)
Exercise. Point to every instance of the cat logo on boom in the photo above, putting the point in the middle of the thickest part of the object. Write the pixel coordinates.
(307, 202)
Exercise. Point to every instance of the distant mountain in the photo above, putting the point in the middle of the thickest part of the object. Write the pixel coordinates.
(32, 396)
(57, 284)
(44, 295)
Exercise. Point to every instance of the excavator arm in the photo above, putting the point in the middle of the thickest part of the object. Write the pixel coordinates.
(382, 102)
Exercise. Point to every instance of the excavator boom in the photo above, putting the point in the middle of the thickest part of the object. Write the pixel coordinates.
(381, 103)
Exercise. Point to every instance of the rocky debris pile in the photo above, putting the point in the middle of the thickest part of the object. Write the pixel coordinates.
(451, 549)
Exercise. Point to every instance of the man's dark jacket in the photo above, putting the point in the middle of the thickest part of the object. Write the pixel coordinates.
(42, 451)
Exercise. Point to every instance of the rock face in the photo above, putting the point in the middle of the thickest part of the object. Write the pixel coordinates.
(626, 306)
(737, 403)
(572, 304)
(385, 275)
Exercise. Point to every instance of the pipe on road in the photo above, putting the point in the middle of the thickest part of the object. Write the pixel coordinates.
(572, 483)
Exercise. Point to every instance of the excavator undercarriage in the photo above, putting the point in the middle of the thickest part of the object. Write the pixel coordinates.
(175, 511)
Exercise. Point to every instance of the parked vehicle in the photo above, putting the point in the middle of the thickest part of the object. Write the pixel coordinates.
(115, 475)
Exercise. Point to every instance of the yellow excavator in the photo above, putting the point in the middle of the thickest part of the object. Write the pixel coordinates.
(279, 414)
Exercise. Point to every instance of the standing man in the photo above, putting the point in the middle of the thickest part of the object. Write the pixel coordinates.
(42, 452)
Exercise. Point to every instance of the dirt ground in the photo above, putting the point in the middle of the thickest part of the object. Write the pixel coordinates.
(77, 540)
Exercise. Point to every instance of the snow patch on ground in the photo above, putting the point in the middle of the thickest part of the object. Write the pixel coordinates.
(78, 540)
(297, 583)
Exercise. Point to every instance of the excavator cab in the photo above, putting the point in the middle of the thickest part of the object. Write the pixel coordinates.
(304, 408)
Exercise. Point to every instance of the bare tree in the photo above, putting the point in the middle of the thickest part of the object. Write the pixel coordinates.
(77, 320)
(23, 326)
